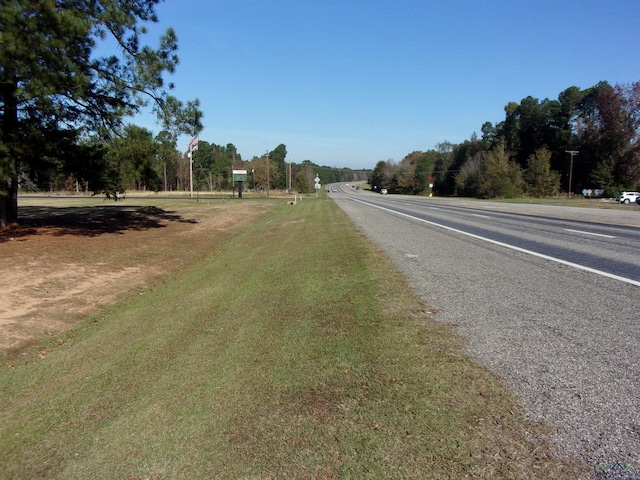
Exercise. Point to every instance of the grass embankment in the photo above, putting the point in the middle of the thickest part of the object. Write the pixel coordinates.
(296, 351)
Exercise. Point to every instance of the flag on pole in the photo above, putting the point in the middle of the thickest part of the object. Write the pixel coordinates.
(193, 144)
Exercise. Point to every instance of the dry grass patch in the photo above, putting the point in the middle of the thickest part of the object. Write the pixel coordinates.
(70, 257)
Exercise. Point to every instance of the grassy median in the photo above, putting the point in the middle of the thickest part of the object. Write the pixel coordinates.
(295, 350)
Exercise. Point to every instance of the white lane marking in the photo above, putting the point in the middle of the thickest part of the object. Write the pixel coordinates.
(589, 233)
(512, 247)
(481, 216)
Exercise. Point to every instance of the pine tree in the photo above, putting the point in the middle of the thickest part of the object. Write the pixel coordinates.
(55, 91)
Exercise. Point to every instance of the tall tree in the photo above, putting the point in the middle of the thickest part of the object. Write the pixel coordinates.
(500, 177)
(377, 179)
(169, 159)
(203, 160)
(278, 155)
(132, 162)
(609, 137)
(443, 177)
(54, 91)
(467, 180)
(263, 170)
(490, 135)
(510, 127)
(461, 154)
(405, 176)
(425, 167)
(541, 180)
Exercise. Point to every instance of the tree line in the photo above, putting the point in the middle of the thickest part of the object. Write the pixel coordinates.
(586, 140)
(135, 160)
(213, 166)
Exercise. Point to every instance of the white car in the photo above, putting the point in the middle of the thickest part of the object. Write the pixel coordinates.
(627, 197)
(383, 191)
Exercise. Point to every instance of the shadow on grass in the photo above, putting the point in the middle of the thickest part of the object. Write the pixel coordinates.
(88, 221)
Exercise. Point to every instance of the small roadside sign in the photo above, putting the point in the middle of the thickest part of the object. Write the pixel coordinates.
(239, 176)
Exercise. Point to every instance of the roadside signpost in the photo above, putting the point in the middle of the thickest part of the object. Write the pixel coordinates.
(239, 176)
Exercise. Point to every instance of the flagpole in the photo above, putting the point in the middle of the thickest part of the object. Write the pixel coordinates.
(191, 174)
(193, 146)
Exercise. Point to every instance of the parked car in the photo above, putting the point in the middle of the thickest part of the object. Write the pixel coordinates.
(383, 191)
(627, 197)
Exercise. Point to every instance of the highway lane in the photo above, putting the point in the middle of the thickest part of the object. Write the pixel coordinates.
(564, 340)
(609, 248)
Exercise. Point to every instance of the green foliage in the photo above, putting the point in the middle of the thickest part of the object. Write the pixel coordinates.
(131, 162)
(169, 159)
(448, 182)
(327, 174)
(530, 144)
(178, 117)
(300, 176)
(443, 177)
(377, 179)
(609, 135)
(424, 171)
(263, 172)
(54, 91)
(490, 174)
(212, 166)
(404, 178)
(301, 183)
(500, 177)
(468, 178)
(303, 175)
(411, 176)
(541, 180)
(277, 156)
(603, 176)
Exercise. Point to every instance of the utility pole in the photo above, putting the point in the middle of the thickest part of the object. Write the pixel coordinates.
(268, 179)
(233, 165)
(572, 153)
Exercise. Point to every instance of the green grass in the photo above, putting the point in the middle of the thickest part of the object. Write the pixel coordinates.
(296, 351)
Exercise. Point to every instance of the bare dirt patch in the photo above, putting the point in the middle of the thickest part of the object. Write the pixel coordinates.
(62, 264)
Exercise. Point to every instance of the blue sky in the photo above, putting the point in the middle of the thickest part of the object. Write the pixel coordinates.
(349, 83)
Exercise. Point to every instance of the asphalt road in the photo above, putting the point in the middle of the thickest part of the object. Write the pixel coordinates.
(548, 298)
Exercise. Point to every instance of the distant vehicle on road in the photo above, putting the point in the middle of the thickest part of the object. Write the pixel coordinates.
(383, 191)
(627, 197)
